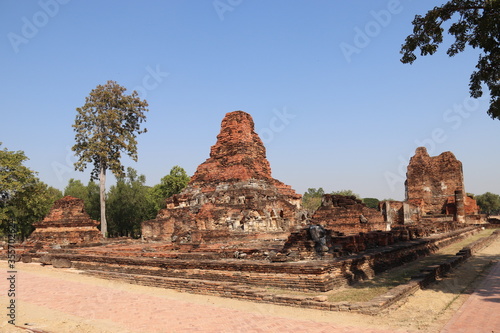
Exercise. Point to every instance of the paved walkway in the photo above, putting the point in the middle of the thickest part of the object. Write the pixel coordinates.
(129, 311)
(481, 312)
(136, 312)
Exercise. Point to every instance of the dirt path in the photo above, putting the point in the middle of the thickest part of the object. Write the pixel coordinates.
(47, 298)
(55, 300)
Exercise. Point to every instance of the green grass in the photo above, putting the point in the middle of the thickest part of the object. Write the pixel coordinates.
(366, 290)
(279, 291)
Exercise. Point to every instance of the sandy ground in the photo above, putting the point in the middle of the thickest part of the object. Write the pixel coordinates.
(426, 311)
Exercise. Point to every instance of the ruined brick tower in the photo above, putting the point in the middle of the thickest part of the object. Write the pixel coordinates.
(436, 185)
(431, 180)
(231, 193)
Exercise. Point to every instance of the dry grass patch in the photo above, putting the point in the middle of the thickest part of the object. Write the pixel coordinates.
(382, 283)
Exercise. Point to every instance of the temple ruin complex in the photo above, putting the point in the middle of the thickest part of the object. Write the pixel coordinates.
(235, 230)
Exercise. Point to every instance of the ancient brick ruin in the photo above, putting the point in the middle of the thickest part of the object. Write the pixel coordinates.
(435, 193)
(436, 185)
(67, 223)
(231, 193)
(399, 213)
(348, 215)
(234, 229)
(431, 180)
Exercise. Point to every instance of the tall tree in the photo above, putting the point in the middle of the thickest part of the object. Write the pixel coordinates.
(106, 126)
(477, 24)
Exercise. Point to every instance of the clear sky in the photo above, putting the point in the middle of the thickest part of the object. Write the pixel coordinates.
(322, 79)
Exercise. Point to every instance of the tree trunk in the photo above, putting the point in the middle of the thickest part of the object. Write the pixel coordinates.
(102, 192)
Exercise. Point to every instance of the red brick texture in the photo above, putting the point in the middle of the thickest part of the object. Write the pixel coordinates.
(231, 192)
(431, 182)
(345, 214)
(67, 223)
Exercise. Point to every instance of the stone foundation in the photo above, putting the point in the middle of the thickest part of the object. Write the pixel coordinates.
(315, 275)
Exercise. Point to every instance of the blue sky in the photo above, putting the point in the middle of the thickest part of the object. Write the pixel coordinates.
(322, 80)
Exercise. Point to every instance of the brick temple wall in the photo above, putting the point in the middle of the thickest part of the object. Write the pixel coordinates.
(430, 181)
(320, 275)
(348, 215)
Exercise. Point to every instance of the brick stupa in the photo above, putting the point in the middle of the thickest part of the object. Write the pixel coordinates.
(67, 223)
(231, 193)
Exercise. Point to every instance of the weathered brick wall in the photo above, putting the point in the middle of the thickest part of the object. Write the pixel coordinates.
(470, 206)
(345, 214)
(320, 275)
(66, 223)
(399, 212)
(234, 290)
(430, 181)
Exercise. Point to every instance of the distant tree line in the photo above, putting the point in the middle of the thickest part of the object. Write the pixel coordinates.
(130, 201)
(488, 202)
(311, 200)
(25, 199)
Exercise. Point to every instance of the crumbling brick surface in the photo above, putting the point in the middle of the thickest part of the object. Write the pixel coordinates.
(431, 180)
(320, 275)
(399, 213)
(232, 191)
(471, 207)
(348, 215)
(300, 245)
(66, 223)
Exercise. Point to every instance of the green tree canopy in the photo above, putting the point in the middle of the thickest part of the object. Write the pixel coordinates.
(14, 175)
(171, 184)
(107, 126)
(311, 200)
(129, 204)
(477, 24)
(489, 203)
(75, 188)
(24, 198)
(174, 182)
(89, 194)
(371, 202)
(93, 197)
(348, 193)
(32, 204)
